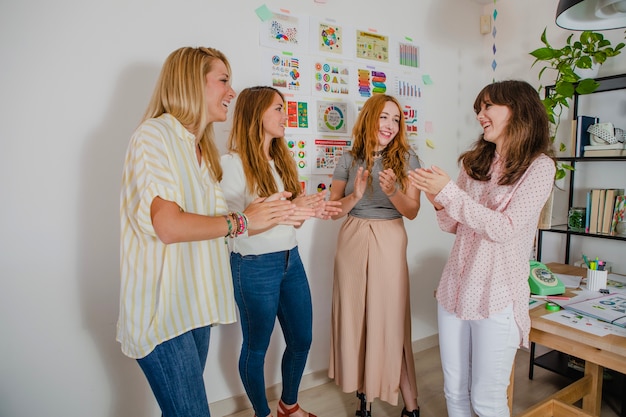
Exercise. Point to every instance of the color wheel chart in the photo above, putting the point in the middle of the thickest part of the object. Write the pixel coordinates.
(298, 148)
(331, 117)
(330, 39)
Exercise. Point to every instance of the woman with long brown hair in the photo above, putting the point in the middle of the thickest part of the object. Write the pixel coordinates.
(268, 275)
(493, 208)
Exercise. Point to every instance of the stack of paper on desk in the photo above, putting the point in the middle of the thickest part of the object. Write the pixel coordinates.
(610, 308)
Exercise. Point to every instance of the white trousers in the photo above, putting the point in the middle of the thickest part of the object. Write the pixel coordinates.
(477, 358)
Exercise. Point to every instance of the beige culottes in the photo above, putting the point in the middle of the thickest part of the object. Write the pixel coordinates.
(371, 317)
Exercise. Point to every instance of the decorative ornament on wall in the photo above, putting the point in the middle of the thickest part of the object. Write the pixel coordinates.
(494, 32)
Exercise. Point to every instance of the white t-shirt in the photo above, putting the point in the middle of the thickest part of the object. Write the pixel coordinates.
(238, 197)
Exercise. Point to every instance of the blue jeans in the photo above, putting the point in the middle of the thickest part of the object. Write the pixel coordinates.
(174, 371)
(269, 286)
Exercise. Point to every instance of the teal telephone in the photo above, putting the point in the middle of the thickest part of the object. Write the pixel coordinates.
(542, 281)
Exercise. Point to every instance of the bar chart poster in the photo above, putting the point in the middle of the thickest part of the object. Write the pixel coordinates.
(409, 55)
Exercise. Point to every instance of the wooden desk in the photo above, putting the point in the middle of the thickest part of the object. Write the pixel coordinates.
(598, 352)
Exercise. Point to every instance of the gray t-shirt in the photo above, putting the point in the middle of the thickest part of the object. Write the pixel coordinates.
(374, 204)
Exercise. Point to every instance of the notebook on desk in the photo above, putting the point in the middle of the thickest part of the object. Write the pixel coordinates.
(610, 308)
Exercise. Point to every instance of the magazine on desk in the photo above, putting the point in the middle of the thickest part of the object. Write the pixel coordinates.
(610, 308)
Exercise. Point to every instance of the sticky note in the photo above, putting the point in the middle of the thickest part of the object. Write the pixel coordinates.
(427, 80)
(264, 13)
(430, 144)
(428, 127)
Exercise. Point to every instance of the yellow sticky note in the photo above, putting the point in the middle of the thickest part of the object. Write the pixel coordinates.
(430, 144)
(427, 80)
(264, 13)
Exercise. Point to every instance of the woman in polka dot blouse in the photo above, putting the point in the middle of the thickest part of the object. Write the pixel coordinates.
(493, 208)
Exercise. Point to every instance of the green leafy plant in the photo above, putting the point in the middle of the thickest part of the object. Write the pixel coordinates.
(590, 49)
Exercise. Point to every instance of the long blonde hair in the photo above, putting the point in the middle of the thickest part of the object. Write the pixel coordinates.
(246, 138)
(180, 91)
(365, 136)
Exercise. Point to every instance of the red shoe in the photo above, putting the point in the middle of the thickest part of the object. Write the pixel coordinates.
(282, 412)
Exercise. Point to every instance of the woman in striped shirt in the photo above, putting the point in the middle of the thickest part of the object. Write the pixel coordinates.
(175, 273)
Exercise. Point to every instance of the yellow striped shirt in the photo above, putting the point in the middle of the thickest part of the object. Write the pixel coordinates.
(167, 290)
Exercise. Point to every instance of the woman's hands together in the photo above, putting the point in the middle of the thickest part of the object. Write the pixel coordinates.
(429, 180)
(323, 209)
(265, 212)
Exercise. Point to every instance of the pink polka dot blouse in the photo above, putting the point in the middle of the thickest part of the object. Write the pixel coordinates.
(495, 227)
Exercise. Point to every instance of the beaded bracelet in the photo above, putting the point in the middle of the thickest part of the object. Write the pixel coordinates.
(238, 225)
(230, 225)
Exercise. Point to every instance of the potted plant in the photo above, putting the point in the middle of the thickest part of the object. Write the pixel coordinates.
(589, 50)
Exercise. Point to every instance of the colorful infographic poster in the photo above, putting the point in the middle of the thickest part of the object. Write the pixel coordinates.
(297, 113)
(327, 154)
(408, 55)
(284, 31)
(372, 46)
(299, 147)
(407, 85)
(329, 38)
(411, 119)
(285, 72)
(331, 77)
(332, 117)
(317, 183)
(370, 81)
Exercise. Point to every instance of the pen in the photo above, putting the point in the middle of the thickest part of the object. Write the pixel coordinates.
(549, 297)
(586, 260)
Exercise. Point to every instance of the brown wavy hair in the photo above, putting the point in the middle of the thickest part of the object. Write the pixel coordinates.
(365, 137)
(180, 92)
(527, 133)
(246, 139)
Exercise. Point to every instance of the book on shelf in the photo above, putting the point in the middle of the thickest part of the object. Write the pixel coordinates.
(610, 308)
(587, 211)
(583, 138)
(604, 153)
(612, 146)
(619, 212)
(595, 206)
(609, 207)
(601, 209)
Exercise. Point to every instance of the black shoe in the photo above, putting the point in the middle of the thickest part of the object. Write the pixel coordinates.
(362, 411)
(414, 413)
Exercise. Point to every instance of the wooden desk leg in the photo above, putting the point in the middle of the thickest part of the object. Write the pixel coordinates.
(592, 402)
(509, 391)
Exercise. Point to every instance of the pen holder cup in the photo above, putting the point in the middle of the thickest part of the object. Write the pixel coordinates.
(596, 279)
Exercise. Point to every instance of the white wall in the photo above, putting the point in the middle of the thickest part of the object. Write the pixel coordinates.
(76, 77)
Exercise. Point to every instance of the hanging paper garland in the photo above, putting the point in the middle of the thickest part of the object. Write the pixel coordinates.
(494, 64)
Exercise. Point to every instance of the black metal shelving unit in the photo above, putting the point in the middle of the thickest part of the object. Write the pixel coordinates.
(556, 361)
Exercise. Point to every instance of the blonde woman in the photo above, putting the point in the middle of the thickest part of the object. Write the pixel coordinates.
(371, 350)
(175, 275)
